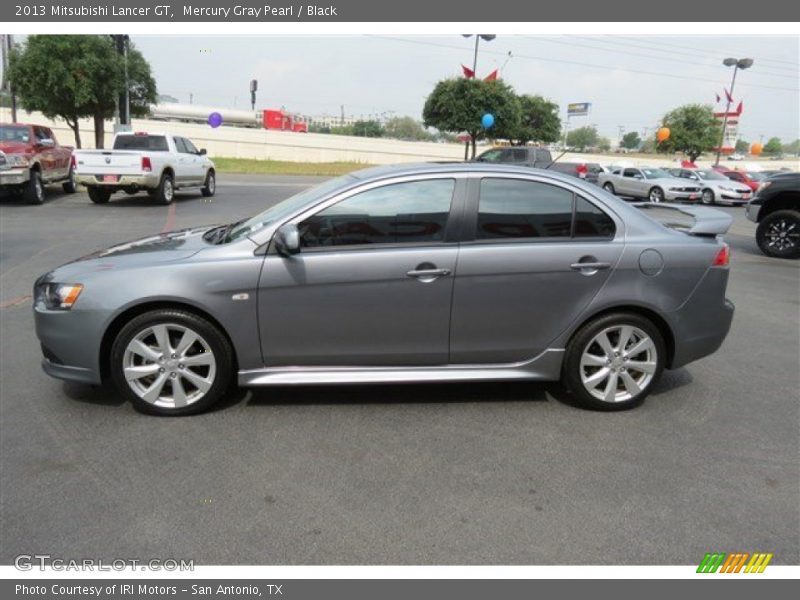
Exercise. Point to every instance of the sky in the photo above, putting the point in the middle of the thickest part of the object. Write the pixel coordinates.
(631, 81)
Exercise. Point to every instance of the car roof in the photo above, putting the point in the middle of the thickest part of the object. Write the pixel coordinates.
(401, 170)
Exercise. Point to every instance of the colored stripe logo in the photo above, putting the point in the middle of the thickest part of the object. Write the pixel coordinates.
(735, 562)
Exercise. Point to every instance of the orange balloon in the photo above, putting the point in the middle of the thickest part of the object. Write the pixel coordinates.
(756, 149)
(662, 134)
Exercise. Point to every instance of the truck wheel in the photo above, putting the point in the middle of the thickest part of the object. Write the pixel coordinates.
(708, 196)
(69, 186)
(165, 193)
(33, 192)
(656, 195)
(211, 184)
(778, 234)
(99, 196)
(609, 187)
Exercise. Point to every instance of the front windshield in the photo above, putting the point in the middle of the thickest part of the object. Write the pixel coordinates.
(287, 207)
(707, 175)
(655, 173)
(755, 176)
(11, 133)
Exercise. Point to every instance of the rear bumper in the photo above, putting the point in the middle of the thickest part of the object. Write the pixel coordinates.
(14, 176)
(147, 181)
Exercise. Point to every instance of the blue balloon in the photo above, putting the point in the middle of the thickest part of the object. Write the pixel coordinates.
(215, 119)
(487, 120)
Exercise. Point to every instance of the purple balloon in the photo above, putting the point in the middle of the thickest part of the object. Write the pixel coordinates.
(215, 119)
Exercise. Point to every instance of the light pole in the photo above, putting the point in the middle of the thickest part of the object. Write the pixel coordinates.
(736, 63)
(486, 37)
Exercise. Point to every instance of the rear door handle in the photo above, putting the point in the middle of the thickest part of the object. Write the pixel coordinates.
(425, 273)
(580, 266)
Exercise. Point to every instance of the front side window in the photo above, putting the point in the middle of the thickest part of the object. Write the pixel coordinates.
(632, 173)
(190, 147)
(409, 212)
(513, 208)
(490, 156)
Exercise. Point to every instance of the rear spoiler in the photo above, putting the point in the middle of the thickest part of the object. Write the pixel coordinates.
(702, 221)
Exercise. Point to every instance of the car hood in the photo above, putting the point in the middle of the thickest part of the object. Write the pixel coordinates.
(674, 182)
(15, 148)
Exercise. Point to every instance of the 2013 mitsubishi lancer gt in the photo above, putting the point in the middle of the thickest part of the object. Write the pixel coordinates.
(421, 273)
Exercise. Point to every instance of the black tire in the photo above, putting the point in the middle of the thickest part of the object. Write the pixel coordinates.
(582, 342)
(770, 240)
(210, 186)
(707, 197)
(33, 191)
(218, 343)
(656, 195)
(98, 195)
(165, 192)
(69, 186)
(609, 187)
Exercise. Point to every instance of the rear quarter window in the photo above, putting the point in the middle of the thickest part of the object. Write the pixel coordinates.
(152, 143)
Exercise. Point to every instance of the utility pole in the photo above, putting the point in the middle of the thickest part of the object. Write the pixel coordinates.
(740, 63)
(621, 131)
(478, 37)
(7, 86)
(121, 42)
(191, 97)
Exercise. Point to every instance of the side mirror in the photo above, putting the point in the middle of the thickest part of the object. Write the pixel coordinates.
(47, 143)
(287, 240)
(202, 152)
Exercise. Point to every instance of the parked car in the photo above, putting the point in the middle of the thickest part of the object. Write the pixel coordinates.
(412, 273)
(531, 156)
(736, 156)
(157, 163)
(751, 179)
(31, 158)
(656, 185)
(776, 209)
(715, 186)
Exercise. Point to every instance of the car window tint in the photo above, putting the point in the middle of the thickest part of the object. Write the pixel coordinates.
(631, 172)
(155, 143)
(412, 212)
(590, 221)
(520, 155)
(490, 156)
(510, 208)
(190, 147)
(179, 145)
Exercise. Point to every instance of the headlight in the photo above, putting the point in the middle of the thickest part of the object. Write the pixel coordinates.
(59, 296)
(17, 160)
(725, 188)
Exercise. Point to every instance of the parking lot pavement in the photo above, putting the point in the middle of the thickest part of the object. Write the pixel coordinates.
(423, 474)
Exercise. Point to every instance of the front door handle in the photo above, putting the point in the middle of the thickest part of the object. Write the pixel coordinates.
(579, 266)
(428, 273)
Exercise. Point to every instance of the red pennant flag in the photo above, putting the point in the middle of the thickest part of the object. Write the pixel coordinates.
(740, 108)
(718, 98)
(491, 76)
(728, 95)
(468, 73)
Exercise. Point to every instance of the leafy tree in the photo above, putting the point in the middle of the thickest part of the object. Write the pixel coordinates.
(604, 144)
(457, 105)
(77, 76)
(631, 140)
(792, 147)
(406, 128)
(582, 137)
(693, 130)
(367, 129)
(773, 146)
(742, 146)
(539, 121)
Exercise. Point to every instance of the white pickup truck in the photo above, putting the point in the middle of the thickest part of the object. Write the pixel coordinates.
(158, 163)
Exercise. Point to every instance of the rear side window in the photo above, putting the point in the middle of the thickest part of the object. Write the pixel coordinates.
(153, 143)
(518, 209)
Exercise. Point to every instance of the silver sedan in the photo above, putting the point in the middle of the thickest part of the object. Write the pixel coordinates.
(716, 187)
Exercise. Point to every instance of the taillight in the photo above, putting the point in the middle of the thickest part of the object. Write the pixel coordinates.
(147, 166)
(723, 257)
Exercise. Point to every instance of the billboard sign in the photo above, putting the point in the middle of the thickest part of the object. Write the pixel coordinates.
(578, 109)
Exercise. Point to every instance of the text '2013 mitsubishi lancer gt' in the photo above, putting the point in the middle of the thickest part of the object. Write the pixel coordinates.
(421, 273)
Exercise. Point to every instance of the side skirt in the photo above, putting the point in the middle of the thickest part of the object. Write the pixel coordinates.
(545, 367)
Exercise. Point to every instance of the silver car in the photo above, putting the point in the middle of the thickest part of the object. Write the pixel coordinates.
(422, 273)
(653, 184)
(716, 187)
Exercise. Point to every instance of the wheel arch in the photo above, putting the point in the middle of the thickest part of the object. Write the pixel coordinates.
(789, 200)
(131, 312)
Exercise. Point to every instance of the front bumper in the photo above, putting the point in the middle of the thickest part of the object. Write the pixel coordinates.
(14, 176)
(677, 196)
(751, 211)
(70, 344)
(148, 181)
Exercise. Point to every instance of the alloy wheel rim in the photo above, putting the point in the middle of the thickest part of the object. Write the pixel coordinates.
(618, 363)
(168, 189)
(655, 196)
(39, 190)
(169, 365)
(783, 235)
(707, 197)
(211, 183)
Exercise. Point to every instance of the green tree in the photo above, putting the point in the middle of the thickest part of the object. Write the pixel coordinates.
(367, 129)
(604, 144)
(792, 148)
(406, 128)
(539, 121)
(77, 76)
(693, 130)
(631, 140)
(583, 137)
(742, 146)
(773, 146)
(457, 105)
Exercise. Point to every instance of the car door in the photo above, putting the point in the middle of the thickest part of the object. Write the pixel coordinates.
(634, 184)
(519, 281)
(46, 154)
(183, 171)
(372, 283)
(197, 172)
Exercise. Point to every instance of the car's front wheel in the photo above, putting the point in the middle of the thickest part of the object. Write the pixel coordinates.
(609, 187)
(210, 186)
(613, 361)
(69, 186)
(33, 193)
(708, 196)
(171, 362)
(778, 234)
(656, 195)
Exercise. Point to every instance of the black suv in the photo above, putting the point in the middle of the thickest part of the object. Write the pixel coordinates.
(776, 209)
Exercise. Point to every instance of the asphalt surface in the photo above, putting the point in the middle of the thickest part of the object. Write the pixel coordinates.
(416, 474)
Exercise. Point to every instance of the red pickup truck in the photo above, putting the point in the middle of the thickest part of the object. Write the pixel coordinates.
(30, 158)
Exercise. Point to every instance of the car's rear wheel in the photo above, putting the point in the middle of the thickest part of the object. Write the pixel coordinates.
(656, 195)
(69, 186)
(210, 186)
(98, 195)
(708, 196)
(165, 192)
(171, 362)
(33, 192)
(609, 187)
(778, 234)
(613, 361)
